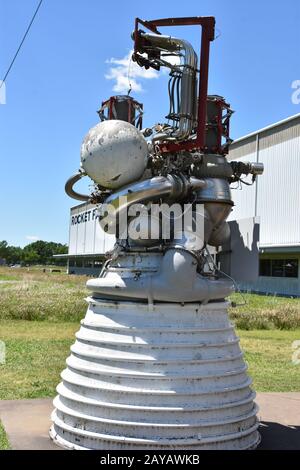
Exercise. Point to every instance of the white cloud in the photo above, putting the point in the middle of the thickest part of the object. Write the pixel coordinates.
(32, 238)
(125, 72)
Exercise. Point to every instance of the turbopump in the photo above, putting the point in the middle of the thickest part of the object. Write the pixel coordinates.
(156, 363)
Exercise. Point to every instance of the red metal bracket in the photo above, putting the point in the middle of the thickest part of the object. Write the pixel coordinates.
(208, 34)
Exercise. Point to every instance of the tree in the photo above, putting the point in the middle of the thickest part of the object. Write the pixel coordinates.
(14, 255)
(3, 249)
(11, 254)
(30, 257)
(39, 252)
(46, 250)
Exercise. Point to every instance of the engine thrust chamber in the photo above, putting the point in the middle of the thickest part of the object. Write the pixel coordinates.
(166, 376)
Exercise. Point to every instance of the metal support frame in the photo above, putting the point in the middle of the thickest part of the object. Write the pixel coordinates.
(133, 105)
(208, 34)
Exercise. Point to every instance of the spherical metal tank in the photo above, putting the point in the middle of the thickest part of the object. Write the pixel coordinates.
(162, 376)
(114, 153)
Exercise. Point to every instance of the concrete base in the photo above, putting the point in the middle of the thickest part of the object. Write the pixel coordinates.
(27, 422)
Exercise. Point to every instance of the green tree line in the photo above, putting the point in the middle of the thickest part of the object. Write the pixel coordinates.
(39, 252)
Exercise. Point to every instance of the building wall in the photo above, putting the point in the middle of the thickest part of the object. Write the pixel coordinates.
(88, 243)
(85, 265)
(276, 285)
(274, 197)
(86, 236)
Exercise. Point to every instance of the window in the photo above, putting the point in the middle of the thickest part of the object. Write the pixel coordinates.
(88, 263)
(265, 267)
(291, 268)
(278, 267)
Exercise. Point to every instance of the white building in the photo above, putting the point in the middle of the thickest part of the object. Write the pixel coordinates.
(88, 243)
(274, 200)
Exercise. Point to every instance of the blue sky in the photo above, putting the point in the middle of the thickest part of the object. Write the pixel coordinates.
(58, 82)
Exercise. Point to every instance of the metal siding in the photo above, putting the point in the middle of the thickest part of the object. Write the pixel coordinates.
(81, 233)
(287, 131)
(109, 241)
(240, 149)
(278, 189)
(274, 285)
(88, 237)
(278, 202)
(244, 198)
(89, 232)
(73, 232)
(278, 196)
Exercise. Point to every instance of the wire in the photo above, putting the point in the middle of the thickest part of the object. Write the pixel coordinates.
(21, 43)
(129, 75)
(229, 277)
(219, 33)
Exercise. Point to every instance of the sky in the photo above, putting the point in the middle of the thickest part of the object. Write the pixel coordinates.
(76, 55)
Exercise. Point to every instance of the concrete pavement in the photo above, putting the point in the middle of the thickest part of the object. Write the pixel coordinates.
(27, 422)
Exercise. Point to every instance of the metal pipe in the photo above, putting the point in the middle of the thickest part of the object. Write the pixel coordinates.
(172, 187)
(69, 187)
(187, 115)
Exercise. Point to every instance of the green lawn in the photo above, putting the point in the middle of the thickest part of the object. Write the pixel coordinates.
(265, 312)
(40, 312)
(36, 354)
(4, 444)
(31, 294)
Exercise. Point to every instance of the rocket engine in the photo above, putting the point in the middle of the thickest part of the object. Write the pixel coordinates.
(156, 363)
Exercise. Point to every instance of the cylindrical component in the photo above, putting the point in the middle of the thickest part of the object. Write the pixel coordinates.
(216, 190)
(172, 187)
(123, 108)
(166, 376)
(246, 168)
(256, 168)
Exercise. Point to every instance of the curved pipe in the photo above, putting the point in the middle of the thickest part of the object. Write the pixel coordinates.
(69, 187)
(172, 187)
(187, 111)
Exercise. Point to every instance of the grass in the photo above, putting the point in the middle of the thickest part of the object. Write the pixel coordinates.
(31, 294)
(4, 444)
(36, 354)
(36, 295)
(269, 357)
(40, 312)
(54, 304)
(8, 277)
(265, 312)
